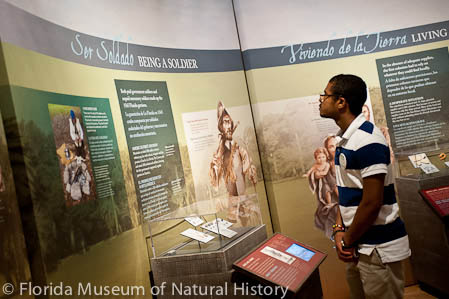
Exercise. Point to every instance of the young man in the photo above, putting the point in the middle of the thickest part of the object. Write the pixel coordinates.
(369, 235)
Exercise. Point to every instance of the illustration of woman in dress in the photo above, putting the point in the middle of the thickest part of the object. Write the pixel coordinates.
(323, 184)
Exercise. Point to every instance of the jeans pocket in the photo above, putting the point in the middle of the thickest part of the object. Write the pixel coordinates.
(376, 259)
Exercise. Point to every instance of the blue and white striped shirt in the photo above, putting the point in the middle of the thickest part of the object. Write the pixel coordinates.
(362, 152)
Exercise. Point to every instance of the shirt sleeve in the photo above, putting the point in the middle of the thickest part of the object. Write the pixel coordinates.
(373, 158)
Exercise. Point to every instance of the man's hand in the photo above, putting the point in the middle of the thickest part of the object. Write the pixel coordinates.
(346, 255)
(252, 174)
(215, 169)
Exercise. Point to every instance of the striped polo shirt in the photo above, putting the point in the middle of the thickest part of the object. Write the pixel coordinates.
(362, 151)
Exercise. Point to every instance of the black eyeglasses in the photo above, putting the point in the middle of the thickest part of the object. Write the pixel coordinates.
(324, 97)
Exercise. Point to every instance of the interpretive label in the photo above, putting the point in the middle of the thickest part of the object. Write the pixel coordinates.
(102, 144)
(153, 145)
(438, 198)
(281, 261)
(415, 94)
(194, 220)
(197, 235)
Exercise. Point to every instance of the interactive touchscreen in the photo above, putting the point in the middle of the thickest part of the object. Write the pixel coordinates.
(301, 252)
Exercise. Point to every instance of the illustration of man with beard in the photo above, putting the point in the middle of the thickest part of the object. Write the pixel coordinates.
(232, 163)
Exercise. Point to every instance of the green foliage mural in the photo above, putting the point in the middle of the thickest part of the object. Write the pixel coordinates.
(59, 230)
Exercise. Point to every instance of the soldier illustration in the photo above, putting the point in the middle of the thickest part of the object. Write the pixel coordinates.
(232, 163)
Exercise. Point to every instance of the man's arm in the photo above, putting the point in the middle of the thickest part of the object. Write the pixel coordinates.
(247, 164)
(346, 255)
(368, 210)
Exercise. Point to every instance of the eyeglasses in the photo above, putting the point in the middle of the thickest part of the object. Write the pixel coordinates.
(324, 97)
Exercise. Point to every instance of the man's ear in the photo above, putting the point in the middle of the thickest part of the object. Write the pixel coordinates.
(342, 103)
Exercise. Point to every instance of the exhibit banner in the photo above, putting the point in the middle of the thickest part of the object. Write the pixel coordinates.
(291, 58)
(415, 95)
(345, 47)
(119, 53)
(153, 146)
(96, 150)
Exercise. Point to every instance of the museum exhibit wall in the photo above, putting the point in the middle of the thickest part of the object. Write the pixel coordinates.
(292, 48)
(13, 256)
(101, 100)
(142, 81)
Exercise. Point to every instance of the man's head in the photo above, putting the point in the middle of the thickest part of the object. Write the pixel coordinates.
(343, 93)
(330, 143)
(225, 122)
(227, 125)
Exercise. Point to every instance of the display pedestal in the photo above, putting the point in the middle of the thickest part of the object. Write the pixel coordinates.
(282, 267)
(203, 275)
(428, 232)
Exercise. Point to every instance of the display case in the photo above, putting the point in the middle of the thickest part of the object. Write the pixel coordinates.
(202, 227)
(424, 199)
(197, 244)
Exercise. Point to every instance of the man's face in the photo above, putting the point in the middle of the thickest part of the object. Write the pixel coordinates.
(328, 107)
(227, 127)
(332, 146)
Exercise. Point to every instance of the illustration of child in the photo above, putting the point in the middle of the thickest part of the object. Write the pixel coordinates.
(318, 173)
(322, 184)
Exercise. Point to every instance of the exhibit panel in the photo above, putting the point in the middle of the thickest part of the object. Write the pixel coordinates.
(133, 145)
(101, 119)
(414, 88)
(401, 57)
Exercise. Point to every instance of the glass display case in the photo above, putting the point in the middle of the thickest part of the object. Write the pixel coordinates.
(202, 227)
(416, 163)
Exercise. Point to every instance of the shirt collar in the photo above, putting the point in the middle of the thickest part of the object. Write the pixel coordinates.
(355, 124)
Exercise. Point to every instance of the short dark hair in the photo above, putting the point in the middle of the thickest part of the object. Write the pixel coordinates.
(352, 88)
